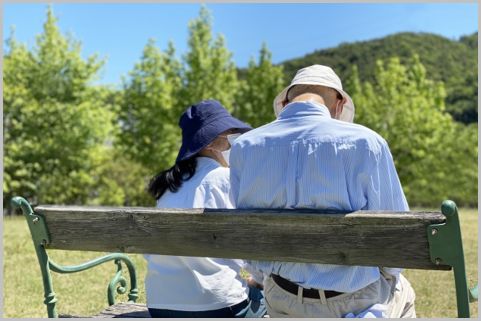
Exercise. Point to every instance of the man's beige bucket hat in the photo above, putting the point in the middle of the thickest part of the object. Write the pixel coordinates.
(318, 75)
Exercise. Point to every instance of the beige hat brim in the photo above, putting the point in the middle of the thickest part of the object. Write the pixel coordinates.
(348, 109)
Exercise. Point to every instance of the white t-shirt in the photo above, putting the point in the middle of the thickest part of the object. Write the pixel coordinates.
(196, 283)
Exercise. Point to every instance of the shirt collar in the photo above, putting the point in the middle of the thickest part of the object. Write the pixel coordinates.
(304, 108)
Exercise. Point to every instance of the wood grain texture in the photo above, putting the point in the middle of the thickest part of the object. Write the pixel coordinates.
(359, 238)
(124, 310)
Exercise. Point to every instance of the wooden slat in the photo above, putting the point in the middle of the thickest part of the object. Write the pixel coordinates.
(359, 238)
(124, 310)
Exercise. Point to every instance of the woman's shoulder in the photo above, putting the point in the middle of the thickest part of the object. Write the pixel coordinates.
(218, 176)
(214, 190)
(210, 171)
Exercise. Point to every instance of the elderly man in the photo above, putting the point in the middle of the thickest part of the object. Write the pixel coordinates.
(313, 156)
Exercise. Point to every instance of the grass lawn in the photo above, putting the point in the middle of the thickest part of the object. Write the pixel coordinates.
(84, 293)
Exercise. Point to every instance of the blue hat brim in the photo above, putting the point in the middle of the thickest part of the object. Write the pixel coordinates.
(207, 134)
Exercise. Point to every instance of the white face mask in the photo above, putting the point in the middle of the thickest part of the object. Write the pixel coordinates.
(226, 153)
(232, 137)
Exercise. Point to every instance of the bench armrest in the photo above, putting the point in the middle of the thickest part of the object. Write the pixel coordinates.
(118, 279)
(41, 239)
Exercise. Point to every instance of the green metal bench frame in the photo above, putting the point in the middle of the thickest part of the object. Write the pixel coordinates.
(445, 246)
(40, 237)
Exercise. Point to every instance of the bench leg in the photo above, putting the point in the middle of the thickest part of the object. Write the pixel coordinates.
(450, 210)
(446, 248)
(40, 238)
(462, 298)
(50, 299)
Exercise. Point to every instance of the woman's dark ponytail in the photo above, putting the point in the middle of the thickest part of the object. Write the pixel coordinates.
(172, 178)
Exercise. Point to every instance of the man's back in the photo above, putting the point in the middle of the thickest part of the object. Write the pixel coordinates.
(306, 159)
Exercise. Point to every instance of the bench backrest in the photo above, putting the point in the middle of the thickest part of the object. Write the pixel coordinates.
(423, 240)
(392, 239)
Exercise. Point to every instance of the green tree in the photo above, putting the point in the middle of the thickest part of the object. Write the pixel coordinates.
(150, 109)
(209, 71)
(408, 110)
(263, 81)
(120, 181)
(55, 122)
(461, 156)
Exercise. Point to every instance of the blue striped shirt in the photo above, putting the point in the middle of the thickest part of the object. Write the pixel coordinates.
(306, 159)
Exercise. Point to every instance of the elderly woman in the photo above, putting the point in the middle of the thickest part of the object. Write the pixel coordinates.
(198, 286)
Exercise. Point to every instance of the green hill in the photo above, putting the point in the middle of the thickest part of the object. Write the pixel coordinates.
(452, 61)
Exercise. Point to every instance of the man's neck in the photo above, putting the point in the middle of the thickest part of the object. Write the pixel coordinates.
(308, 96)
(312, 97)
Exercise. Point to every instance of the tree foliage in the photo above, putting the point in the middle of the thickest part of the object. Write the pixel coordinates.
(408, 110)
(263, 81)
(55, 122)
(150, 109)
(120, 181)
(209, 71)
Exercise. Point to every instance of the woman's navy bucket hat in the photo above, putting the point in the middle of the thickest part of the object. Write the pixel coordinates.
(202, 123)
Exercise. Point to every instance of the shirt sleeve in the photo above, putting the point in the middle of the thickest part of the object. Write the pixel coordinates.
(257, 275)
(236, 166)
(213, 195)
(235, 169)
(383, 189)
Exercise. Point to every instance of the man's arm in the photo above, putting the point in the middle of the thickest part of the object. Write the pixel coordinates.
(235, 169)
(383, 189)
(256, 277)
(236, 166)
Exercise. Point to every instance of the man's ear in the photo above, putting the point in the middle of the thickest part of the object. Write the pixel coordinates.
(339, 108)
(343, 102)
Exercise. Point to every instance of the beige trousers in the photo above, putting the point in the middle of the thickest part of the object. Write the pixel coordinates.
(396, 295)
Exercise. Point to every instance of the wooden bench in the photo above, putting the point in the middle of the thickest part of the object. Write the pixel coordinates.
(415, 240)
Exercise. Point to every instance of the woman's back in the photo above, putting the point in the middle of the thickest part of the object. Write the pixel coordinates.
(208, 188)
(196, 283)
